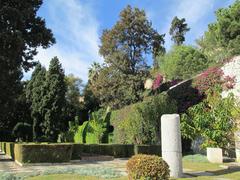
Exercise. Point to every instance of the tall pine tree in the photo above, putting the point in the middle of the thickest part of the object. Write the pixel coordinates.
(178, 30)
(54, 102)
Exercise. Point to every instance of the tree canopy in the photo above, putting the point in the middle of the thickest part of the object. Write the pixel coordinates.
(124, 47)
(21, 33)
(183, 62)
(222, 38)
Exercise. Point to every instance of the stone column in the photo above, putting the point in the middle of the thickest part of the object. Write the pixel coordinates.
(171, 143)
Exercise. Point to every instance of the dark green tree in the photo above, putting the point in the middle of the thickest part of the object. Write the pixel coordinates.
(54, 101)
(124, 48)
(178, 29)
(21, 33)
(35, 94)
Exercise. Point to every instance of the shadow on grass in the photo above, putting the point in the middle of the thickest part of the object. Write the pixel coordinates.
(221, 172)
(231, 169)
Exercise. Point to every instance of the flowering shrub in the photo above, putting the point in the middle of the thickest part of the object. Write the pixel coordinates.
(157, 82)
(147, 167)
(213, 77)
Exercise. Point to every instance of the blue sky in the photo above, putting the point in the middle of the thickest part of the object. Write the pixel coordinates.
(78, 24)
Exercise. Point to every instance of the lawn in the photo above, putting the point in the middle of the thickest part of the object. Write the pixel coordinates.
(219, 172)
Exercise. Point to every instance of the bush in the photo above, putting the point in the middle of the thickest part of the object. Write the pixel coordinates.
(183, 62)
(213, 77)
(22, 131)
(147, 167)
(140, 123)
(43, 153)
(186, 95)
(95, 130)
(211, 119)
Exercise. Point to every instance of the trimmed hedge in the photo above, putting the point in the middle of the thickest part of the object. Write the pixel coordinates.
(3, 146)
(116, 150)
(148, 149)
(10, 149)
(43, 153)
(53, 153)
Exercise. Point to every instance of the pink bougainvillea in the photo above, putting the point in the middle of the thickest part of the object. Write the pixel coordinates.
(157, 82)
(212, 77)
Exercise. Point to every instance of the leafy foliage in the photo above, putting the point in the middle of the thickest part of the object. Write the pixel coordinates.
(120, 80)
(21, 33)
(183, 62)
(23, 131)
(95, 130)
(212, 77)
(35, 94)
(223, 37)
(140, 123)
(178, 30)
(211, 119)
(54, 102)
(147, 167)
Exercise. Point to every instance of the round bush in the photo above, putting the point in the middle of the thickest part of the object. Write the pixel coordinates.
(146, 167)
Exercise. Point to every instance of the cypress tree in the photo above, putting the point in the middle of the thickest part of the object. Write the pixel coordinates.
(53, 102)
(35, 94)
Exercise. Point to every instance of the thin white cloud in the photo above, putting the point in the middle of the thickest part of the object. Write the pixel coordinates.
(76, 30)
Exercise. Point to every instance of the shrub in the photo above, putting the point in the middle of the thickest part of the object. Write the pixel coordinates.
(213, 77)
(95, 130)
(186, 95)
(140, 123)
(183, 62)
(147, 167)
(211, 119)
(22, 131)
(39, 153)
(80, 134)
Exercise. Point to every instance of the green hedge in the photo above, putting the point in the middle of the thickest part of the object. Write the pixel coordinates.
(140, 123)
(10, 149)
(148, 149)
(53, 153)
(116, 150)
(3, 146)
(43, 153)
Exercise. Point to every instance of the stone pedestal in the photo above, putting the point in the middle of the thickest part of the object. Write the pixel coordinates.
(215, 155)
(171, 143)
